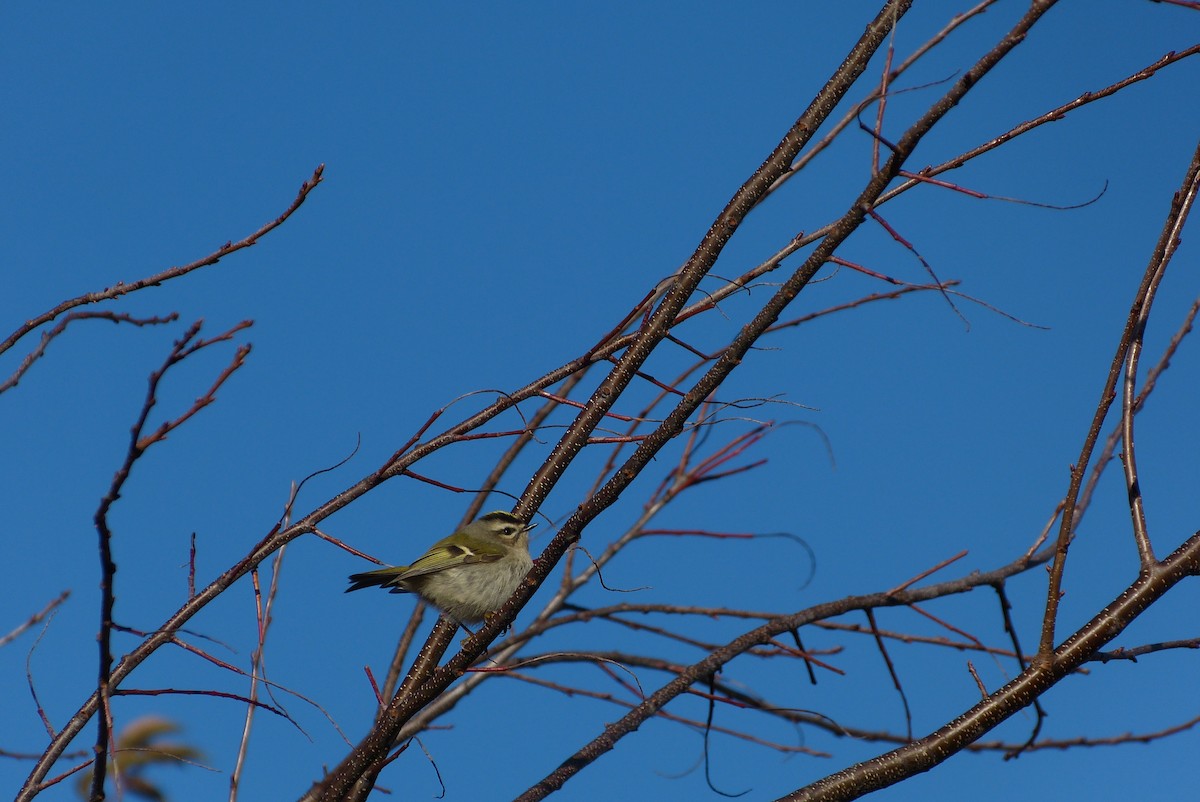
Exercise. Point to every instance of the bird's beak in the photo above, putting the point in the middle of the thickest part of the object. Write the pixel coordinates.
(529, 527)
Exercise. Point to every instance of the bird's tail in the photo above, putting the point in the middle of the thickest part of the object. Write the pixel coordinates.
(383, 578)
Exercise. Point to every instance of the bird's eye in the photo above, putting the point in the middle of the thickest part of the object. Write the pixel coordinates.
(507, 531)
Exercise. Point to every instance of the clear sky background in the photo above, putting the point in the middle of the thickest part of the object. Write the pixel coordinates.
(502, 185)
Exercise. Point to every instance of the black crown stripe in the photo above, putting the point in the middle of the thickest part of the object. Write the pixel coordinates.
(500, 515)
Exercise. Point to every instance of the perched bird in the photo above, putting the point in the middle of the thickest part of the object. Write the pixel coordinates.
(466, 575)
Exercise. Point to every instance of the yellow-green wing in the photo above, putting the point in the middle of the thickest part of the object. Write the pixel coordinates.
(445, 555)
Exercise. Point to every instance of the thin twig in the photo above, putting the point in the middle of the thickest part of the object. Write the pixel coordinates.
(124, 288)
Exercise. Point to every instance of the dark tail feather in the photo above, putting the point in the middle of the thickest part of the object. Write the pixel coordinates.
(370, 579)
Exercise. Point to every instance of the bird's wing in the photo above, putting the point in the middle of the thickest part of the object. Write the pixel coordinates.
(445, 555)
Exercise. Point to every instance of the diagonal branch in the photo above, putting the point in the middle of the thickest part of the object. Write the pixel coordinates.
(1164, 249)
(40, 350)
(652, 331)
(121, 288)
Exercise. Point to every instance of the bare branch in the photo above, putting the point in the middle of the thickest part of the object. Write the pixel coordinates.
(47, 336)
(123, 288)
(185, 346)
(1181, 205)
(34, 619)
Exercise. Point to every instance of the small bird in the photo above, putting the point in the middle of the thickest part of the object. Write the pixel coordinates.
(466, 575)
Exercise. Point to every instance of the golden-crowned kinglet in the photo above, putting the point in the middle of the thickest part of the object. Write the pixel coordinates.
(467, 574)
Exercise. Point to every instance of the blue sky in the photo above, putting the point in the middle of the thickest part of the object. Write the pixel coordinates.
(502, 184)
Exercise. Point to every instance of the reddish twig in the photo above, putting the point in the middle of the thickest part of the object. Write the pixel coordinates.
(123, 288)
(907, 245)
(185, 346)
(47, 336)
(930, 571)
(34, 619)
(216, 661)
